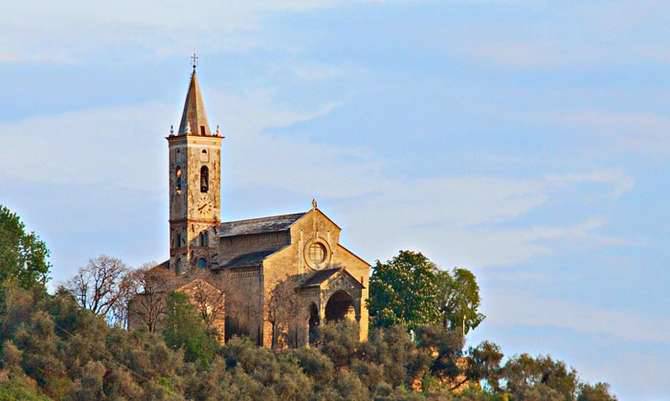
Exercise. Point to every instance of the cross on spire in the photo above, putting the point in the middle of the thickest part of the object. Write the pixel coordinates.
(194, 60)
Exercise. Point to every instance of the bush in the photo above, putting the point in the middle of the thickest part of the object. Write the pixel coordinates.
(339, 342)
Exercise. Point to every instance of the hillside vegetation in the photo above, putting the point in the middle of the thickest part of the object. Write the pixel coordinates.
(52, 348)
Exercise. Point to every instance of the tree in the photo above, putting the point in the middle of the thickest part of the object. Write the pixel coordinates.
(404, 291)
(461, 300)
(23, 256)
(147, 303)
(209, 301)
(411, 291)
(285, 312)
(526, 377)
(446, 348)
(185, 329)
(101, 286)
(484, 364)
(339, 341)
(595, 392)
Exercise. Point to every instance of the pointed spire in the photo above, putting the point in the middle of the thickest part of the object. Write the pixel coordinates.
(194, 117)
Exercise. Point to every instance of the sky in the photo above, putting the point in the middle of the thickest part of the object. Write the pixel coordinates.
(526, 140)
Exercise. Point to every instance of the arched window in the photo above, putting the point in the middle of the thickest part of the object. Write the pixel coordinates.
(202, 263)
(177, 174)
(204, 238)
(204, 179)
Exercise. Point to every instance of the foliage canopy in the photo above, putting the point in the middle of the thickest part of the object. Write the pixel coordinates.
(23, 255)
(55, 350)
(185, 329)
(411, 291)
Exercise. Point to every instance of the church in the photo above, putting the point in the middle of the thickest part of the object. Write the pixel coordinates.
(289, 267)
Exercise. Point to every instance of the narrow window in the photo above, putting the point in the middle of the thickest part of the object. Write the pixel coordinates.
(203, 239)
(204, 179)
(202, 130)
(177, 240)
(177, 174)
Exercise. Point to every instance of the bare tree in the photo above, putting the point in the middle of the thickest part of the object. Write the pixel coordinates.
(147, 304)
(242, 303)
(100, 286)
(127, 291)
(209, 301)
(286, 314)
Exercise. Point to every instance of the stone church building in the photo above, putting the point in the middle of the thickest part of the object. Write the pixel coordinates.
(260, 265)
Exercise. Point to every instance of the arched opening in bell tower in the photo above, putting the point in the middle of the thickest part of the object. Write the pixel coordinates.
(204, 179)
(178, 178)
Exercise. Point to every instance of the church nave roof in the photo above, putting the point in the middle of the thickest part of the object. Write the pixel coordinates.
(259, 225)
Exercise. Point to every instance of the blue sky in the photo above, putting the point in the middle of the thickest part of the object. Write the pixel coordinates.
(526, 140)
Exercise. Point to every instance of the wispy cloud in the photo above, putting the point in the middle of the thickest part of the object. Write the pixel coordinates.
(543, 35)
(516, 310)
(455, 219)
(619, 182)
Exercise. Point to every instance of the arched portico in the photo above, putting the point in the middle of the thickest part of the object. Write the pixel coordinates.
(330, 295)
(340, 306)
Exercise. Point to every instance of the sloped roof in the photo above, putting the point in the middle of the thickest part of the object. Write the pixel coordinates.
(164, 265)
(320, 276)
(252, 259)
(162, 269)
(194, 115)
(259, 225)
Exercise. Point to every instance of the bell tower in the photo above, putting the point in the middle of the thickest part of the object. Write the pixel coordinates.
(195, 184)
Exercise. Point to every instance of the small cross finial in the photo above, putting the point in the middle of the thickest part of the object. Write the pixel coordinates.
(194, 60)
(314, 204)
(171, 129)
